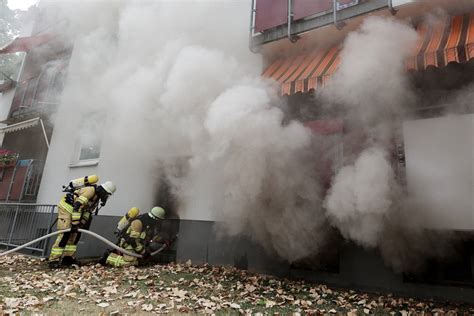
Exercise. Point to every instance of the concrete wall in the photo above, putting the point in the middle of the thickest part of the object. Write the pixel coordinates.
(135, 181)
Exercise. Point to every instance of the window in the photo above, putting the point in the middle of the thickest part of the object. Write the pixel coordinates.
(90, 148)
(90, 137)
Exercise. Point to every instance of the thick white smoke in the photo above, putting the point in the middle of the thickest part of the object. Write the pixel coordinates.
(366, 202)
(362, 197)
(268, 185)
(371, 79)
(175, 81)
(373, 86)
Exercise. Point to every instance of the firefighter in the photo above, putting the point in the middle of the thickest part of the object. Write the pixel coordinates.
(137, 238)
(75, 211)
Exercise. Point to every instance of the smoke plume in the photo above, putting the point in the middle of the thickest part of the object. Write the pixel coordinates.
(175, 84)
(362, 196)
(372, 85)
(190, 91)
(366, 202)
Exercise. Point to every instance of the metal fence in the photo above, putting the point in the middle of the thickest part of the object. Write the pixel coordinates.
(22, 222)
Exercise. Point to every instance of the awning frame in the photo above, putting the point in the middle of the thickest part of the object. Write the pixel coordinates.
(24, 125)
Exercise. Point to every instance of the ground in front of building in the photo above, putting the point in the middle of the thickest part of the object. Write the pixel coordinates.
(28, 286)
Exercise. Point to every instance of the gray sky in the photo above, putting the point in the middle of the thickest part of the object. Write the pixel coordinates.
(21, 4)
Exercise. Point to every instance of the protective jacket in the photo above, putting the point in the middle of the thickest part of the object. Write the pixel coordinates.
(135, 239)
(80, 204)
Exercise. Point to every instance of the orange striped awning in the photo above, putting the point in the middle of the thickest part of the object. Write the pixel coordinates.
(438, 45)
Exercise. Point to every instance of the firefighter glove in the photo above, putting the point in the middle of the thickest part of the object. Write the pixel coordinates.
(74, 228)
(69, 198)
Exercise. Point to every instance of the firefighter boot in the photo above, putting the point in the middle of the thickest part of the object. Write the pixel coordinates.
(54, 264)
(68, 261)
(103, 260)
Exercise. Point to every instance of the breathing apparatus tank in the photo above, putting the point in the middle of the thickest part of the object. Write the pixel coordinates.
(81, 182)
(126, 220)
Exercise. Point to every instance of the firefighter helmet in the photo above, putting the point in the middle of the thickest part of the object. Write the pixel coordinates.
(109, 187)
(157, 213)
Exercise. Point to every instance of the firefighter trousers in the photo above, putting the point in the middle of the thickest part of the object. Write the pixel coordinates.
(66, 243)
(117, 260)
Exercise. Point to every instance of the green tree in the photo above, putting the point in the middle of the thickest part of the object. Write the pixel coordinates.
(10, 25)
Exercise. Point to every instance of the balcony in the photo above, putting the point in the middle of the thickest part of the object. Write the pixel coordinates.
(326, 20)
(20, 180)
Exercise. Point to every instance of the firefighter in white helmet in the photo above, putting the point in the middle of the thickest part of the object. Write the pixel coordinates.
(137, 237)
(75, 211)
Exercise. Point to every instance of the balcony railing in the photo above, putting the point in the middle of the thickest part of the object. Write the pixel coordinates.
(272, 20)
(20, 182)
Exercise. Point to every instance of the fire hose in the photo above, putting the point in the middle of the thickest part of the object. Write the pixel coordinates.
(88, 232)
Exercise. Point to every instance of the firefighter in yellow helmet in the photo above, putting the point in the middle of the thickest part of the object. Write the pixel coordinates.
(75, 211)
(136, 238)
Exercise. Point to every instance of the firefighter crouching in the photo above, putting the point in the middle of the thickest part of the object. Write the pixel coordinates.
(136, 237)
(75, 211)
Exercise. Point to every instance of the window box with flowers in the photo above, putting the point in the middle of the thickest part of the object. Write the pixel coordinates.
(8, 158)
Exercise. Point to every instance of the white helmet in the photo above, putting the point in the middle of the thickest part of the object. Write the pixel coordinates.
(157, 213)
(109, 187)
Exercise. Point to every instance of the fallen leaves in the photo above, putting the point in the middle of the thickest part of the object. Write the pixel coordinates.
(269, 303)
(184, 288)
(103, 305)
(147, 307)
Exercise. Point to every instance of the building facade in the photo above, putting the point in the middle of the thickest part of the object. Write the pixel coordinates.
(433, 146)
(47, 139)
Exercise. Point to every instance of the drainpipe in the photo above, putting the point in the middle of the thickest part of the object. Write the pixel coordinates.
(392, 10)
(252, 27)
(339, 25)
(292, 38)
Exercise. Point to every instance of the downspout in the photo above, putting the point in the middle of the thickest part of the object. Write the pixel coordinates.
(252, 27)
(392, 10)
(339, 25)
(292, 38)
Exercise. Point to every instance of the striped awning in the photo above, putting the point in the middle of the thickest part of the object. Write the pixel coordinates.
(439, 44)
(444, 43)
(19, 126)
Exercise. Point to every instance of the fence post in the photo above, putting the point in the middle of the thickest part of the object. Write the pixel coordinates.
(13, 225)
(50, 224)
